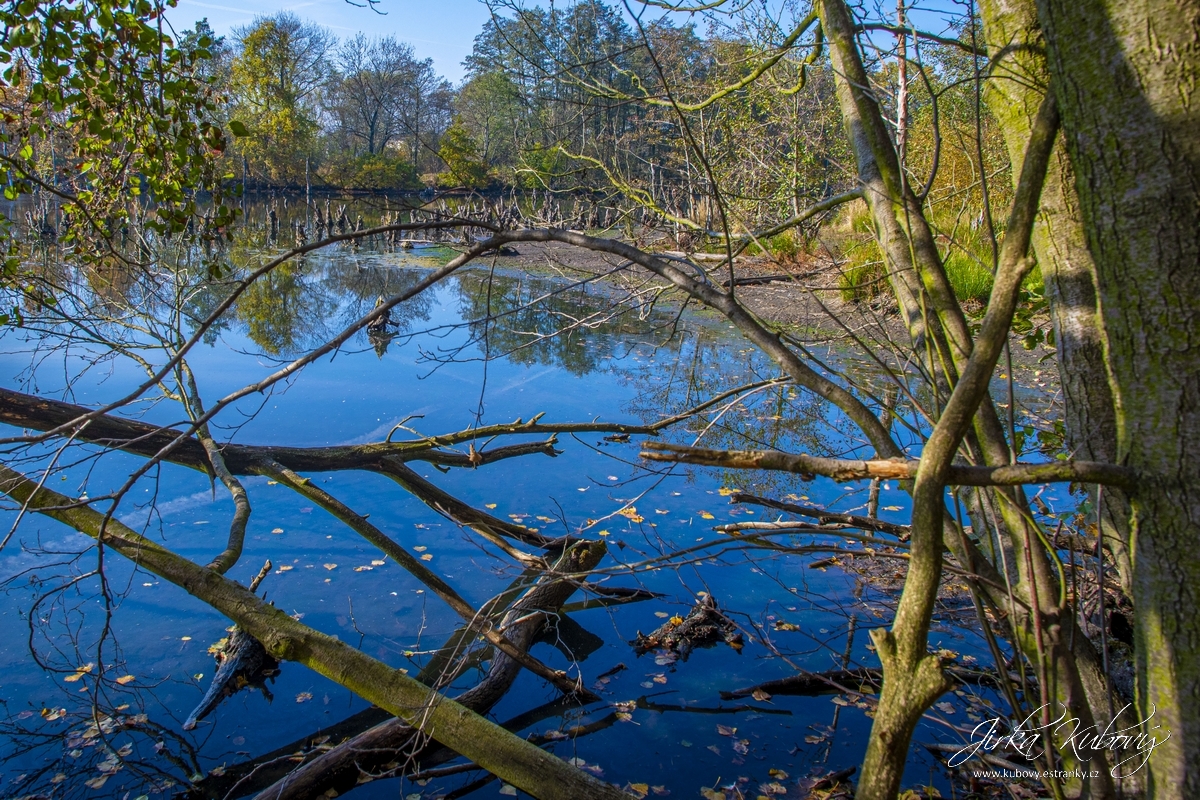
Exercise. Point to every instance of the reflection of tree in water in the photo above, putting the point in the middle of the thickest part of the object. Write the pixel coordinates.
(542, 321)
(781, 417)
(301, 303)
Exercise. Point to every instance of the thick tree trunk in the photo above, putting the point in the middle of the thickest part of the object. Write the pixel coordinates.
(1126, 75)
(1017, 81)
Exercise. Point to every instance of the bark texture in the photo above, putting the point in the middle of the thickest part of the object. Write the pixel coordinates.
(1127, 76)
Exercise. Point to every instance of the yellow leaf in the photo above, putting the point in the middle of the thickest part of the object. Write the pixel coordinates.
(725, 492)
(640, 789)
(73, 677)
(427, 557)
(124, 679)
(706, 515)
(676, 620)
(330, 567)
(489, 505)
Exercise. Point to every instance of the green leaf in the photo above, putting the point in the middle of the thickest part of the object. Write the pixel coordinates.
(238, 128)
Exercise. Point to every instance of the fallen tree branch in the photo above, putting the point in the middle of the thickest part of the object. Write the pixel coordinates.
(371, 752)
(515, 760)
(894, 468)
(825, 517)
(838, 680)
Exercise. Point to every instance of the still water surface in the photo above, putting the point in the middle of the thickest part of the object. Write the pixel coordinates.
(434, 377)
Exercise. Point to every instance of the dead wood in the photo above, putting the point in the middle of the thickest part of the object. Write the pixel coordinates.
(825, 517)
(704, 626)
(394, 745)
(863, 680)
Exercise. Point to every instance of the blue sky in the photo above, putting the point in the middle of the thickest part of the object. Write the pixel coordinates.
(439, 29)
(442, 30)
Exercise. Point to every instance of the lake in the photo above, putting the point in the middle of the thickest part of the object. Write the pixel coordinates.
(439, 368)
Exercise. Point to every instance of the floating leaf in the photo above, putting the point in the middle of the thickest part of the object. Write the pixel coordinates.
(304, 697)
(277, 530)
(640, 789)
(330, 567)
(725, 491)
(706, 515)
(420, 548)
(378, 563)
(631, 514)
(711, 794)
(945, 708)
(741, 746)
(760, 695)
(492, 505)
(96, 783)
(427, 557)
(813, 738)
(725, 730)
(285, 568)
(363, 569)
(661, 614)
(506, 789)
(185, 638)
(778, 774)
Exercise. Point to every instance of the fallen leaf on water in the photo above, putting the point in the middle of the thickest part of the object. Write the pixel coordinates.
(420, 548)
(659, 679)
(511, 791)
(59, 778)
(285, 568)
(272, 483)
(840, 701)
(73, 677)
(52, 715)
(711, 794)
(427, 557)
(491, 505)
(726, 731)
(640, 789)
(624, 716)
(778, 774)
(945, 708)
(741, 746)
(725, 491)
(647, 685)
(706, 515)
(330, 567)
(277, 530)
(631, 514)
(363, 569)
(304, 697)
(715, 749)
(760, 696)
(96, 783)
(813, 738)
(661, 614)
(378, 563)
(661, 791)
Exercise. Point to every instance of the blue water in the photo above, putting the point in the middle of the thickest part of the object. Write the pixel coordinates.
(434, 375)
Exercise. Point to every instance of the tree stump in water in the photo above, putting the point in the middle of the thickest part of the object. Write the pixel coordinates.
(704, 626)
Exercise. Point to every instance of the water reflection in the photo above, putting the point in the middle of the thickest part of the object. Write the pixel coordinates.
(485, 332)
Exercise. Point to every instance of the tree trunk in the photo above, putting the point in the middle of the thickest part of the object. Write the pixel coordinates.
(1126, 76)
(1018, 79)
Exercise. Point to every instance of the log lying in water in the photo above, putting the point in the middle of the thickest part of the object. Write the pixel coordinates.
(704, 626)
(863, 680)
(244, 662)
(393, 744)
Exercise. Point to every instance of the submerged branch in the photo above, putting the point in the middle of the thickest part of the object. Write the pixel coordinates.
(515, 760)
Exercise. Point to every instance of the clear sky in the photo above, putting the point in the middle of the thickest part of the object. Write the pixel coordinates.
(439, 29)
